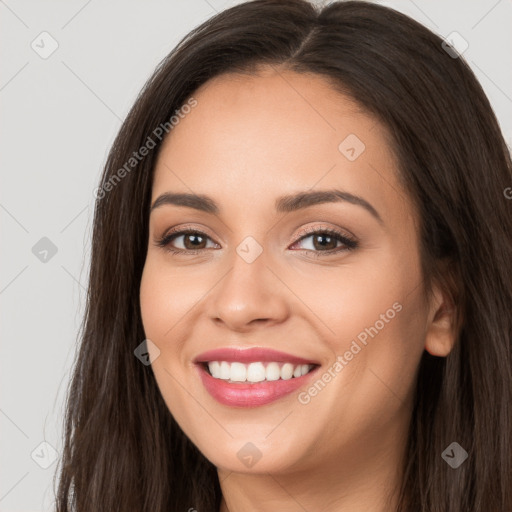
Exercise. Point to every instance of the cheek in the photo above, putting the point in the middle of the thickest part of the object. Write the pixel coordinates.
(348, 301)
(166, 296)
(153, 304)
(162, 309)
(383, 345)
(373, 317)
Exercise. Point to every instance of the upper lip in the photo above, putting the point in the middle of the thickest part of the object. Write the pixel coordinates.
(250, 355)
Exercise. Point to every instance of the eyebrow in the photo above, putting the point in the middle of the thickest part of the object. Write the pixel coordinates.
(284, 204)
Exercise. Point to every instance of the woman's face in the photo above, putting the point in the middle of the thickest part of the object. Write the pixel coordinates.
(260, 151)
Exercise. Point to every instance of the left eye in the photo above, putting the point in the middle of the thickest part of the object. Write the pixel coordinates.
(326, 241)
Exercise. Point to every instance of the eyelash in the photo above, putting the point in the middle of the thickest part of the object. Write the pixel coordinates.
(349, 243)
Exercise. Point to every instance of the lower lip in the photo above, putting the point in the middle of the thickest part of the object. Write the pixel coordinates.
(251, 395)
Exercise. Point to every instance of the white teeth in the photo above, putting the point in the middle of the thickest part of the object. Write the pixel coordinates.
(225, 370)
(214, 368)
(257, 371)
(287, 371)
(238, 372)
(272, 371)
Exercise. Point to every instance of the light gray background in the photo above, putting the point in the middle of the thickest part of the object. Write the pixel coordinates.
(59, 118)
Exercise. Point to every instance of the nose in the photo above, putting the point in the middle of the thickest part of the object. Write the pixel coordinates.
(249, 295)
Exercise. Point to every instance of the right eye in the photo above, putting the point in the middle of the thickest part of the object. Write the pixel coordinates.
(192, 241)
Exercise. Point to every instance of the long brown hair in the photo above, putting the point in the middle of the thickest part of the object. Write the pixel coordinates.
(123, 450)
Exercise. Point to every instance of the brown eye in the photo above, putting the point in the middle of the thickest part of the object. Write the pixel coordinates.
(322, 241)
(194, 241)
(187, 241)
(326, 241)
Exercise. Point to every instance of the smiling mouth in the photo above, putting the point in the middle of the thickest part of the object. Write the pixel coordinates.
(234, 372)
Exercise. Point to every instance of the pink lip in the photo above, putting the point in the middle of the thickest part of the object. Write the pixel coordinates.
(250, 355)
(250, 395)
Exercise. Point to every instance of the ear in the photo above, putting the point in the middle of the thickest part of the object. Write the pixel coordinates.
(440, 330)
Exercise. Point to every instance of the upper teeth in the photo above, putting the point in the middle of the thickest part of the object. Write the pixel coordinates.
(256, 372)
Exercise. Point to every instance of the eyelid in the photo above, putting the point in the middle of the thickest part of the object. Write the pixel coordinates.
(172, 234)
(315, 229)
(187, 228)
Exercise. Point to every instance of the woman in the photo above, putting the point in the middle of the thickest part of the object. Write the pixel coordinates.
(302, 235)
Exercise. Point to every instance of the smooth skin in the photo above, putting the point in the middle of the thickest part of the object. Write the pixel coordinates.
(250, 140)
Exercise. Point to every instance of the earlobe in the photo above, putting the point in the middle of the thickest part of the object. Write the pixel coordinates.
(441, 332)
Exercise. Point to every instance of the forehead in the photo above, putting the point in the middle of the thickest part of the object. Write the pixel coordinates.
(260, 136)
